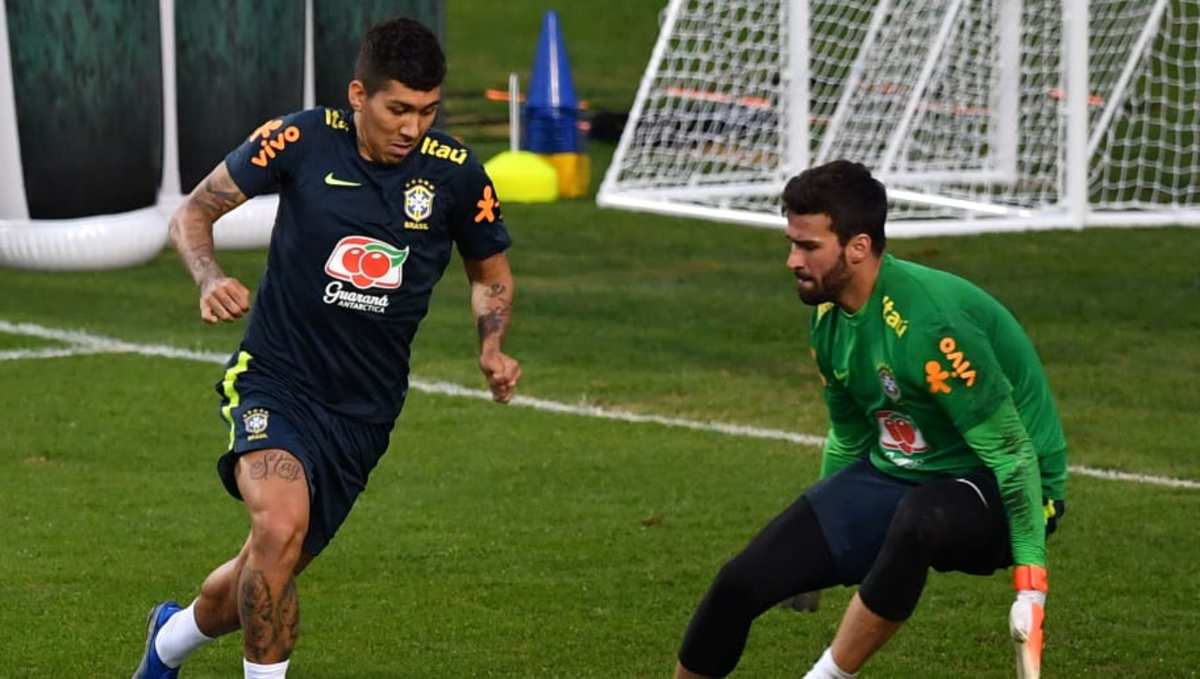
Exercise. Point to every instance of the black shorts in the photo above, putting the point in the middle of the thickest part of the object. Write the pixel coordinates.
(337, 453)
(854, 508)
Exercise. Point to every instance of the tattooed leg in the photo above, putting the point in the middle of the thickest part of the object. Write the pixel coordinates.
(273, 485)
(217, 605)
(270, 623)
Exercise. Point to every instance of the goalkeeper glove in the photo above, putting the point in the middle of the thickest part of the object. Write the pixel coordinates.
(1025, 619)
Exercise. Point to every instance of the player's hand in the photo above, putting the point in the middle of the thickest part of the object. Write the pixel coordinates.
(502, 372)
(1025, 619)
(223, 298)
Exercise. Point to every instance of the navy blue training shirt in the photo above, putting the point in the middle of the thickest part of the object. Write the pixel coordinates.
(356, 249)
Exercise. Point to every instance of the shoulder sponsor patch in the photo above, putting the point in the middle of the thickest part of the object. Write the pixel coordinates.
(959, 365)
(272, 140)
(892, 317)
(488, 205)
(437, 149)
(938, 376)
(333, 118)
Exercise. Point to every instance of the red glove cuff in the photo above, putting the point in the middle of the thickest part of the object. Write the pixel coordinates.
(1030, 578)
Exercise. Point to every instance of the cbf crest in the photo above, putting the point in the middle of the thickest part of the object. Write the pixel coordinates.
(887, 380)
(255, 421)
(418, 203)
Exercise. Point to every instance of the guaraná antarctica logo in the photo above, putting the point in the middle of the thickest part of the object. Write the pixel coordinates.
(367, 263)
(364, 263)
(899, 434)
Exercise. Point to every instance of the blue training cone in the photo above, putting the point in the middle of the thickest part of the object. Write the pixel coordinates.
(552, 111)
(521, 176)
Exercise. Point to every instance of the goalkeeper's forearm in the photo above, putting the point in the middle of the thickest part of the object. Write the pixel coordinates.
(1004, 446)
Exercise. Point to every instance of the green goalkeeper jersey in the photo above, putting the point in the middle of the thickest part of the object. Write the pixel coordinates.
(933, 377)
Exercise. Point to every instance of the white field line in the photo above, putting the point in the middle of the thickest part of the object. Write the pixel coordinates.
(86, 343)
(50, 352)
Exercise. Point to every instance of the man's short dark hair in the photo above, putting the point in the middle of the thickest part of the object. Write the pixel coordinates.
(854, 200)
(400, 49)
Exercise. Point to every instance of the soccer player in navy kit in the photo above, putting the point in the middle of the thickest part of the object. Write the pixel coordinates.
(371, 202)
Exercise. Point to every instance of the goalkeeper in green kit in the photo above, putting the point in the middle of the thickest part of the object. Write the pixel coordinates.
(945, 448)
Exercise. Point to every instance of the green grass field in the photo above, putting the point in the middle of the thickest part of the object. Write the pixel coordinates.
(514, 542)
(511, 542)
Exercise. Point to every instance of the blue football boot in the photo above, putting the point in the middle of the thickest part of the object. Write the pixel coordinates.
(152, 666)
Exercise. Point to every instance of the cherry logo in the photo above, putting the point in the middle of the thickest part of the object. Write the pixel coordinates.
(367, 263)
(899, 433)
(902, 431)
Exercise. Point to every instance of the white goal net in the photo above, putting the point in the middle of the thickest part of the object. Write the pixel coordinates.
(976, 114)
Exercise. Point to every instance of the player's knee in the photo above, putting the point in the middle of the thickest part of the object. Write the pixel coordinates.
(735, 583)
(727, 605)
(717, 633)
(277, 537)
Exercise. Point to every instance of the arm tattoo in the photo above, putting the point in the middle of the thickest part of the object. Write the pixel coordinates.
(492, 322)
(218, 197)
(200, 261)
(191, 225)
(491, 300)
(259, 469)
(193, 241)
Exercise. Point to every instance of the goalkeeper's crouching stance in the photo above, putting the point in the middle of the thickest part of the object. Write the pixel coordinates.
(943, 524)
(945, 448)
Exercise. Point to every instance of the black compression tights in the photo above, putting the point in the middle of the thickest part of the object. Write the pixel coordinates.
(949, 525)
(788, 557)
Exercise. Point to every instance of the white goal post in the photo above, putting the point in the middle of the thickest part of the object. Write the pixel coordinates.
(978, 115)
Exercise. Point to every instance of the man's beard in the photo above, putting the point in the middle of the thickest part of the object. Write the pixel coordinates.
(828, 287)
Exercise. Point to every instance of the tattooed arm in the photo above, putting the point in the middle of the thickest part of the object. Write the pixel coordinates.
(491, 301)
(221, 298)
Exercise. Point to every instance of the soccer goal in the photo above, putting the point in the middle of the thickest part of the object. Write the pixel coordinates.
(978, 115)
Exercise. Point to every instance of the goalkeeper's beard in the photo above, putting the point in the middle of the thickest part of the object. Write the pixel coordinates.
(825, 288)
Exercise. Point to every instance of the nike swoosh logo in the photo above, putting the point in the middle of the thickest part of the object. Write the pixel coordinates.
(840, 375)
(334, 181)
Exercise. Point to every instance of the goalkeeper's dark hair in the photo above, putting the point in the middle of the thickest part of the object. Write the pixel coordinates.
(854, 200)
(400, 49)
